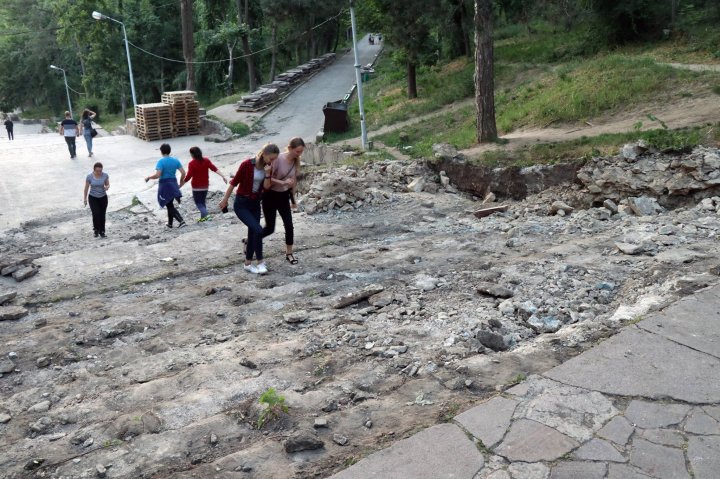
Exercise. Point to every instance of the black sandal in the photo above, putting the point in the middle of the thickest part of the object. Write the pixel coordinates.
(291, 258)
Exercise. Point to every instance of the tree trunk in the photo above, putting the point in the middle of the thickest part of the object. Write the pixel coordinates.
(229, 86)
(484, 72)
(411, 80)
(459, 45)
(82, 61)
(245, 40)
(250, 60)
(673, 13)
(123, 104)
(273, 58)
(466, 34)
(337, 36)
(188, 43)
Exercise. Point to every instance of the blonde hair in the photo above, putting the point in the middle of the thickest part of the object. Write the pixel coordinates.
(267, 149)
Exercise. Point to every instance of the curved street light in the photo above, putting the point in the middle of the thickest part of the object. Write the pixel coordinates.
(67, 90)
(99, 16)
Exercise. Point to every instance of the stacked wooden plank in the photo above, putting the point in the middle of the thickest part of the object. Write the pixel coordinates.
(186, 112)
(154, 121)
(271, 93)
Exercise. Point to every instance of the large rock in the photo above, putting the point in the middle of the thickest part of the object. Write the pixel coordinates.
(303, 442)
(559, 206)
(492, 340)
(445, 151)
(494, 290)
(546, 324)
(632, 151)
(8, 313)
(7, 297)
(24, 273)
(134, 425)
(357, 296)
(645, 206)
(416, 185)
(6, 366)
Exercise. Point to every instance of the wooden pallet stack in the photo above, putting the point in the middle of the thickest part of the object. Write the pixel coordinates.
(154, 121)
(186, 112)
(272, 93)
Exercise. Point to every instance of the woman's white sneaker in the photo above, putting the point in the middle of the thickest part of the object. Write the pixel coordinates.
(261, 268)
(251, 268)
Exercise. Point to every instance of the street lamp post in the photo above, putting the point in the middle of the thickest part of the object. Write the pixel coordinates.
(67, 90)
(358, 78)
(100, 16)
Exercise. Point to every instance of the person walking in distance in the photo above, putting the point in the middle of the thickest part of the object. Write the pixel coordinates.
(87, 129)
(69, 129)
(168, 189)
(198, 175)
(279, 197)
(9, 127)
(252, 177)
(96, 185)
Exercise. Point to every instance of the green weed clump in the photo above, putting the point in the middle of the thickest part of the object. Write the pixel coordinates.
(239, 128)
(274, 407)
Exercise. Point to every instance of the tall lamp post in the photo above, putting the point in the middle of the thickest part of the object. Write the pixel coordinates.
(67, 90)
(358, 79)
(100, 16)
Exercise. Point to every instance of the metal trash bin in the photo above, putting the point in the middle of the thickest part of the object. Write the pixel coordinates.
(336, 117)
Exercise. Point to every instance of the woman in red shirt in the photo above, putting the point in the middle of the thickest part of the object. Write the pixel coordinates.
(252, 177)
(198, 175)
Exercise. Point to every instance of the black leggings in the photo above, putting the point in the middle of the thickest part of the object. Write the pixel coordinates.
(278, 202)
(173, 213)
(98, 206)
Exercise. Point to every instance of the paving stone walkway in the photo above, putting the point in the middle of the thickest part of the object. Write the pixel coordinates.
(644, 404)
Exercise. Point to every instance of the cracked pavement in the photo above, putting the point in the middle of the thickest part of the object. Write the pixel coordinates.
(644, 404)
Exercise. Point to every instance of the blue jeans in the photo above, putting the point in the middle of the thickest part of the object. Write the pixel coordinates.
(88, 140)
(199, 197)
(248, 211)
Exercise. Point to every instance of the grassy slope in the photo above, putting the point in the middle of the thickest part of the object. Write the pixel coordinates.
(541, 79)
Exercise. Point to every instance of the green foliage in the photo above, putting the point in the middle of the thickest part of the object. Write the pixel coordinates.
(274, 407)
(37, 33)
(239, 128)
(546, 45)
(626, 20)
(408, 34)
(226, 100)
(587, 89)
(386, 102)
